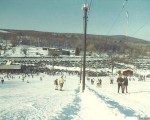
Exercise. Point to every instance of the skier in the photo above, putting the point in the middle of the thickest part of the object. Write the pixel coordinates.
(92, 81)
(99, 83)
(125, 84)
(111, 80)
(120, 83)
(56, 84)
(61, 83)
(2, 80)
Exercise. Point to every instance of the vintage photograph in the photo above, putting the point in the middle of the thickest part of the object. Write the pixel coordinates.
(74, 60)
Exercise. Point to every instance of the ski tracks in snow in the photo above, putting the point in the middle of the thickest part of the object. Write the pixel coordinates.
(70, 110)
(115, 106)
(83, 108)
(29, 109)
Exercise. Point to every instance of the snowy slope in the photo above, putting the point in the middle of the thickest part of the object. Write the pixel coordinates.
(34, 100)
(37, 100)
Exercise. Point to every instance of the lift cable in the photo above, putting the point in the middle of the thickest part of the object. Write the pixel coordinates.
(141, 27)
(123, 6)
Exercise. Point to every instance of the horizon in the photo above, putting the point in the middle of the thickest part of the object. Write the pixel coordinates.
(104, 18)
(75, 33)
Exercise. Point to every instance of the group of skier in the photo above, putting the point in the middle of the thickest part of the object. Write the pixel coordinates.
(98, 82)
(59, 83)
(122, 83)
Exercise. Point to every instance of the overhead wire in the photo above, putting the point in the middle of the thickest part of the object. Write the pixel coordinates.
(90, 8)
(123, 6)
(141, 27)
(127, 23)
(85, 1)
(90, 5)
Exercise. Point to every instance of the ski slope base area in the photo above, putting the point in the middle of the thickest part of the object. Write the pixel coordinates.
(36, 99)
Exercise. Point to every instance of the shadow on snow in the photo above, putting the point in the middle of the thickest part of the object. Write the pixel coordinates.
(126, 111)
(71, 110)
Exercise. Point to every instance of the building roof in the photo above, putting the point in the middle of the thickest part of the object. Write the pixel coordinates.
(10, 67)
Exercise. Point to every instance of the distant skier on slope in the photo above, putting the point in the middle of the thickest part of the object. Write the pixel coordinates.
(111, 80)
(125, 84)
(56, 84)
(61, 83)
(92, 81)
(99, 83)
(2, 80)
(120, 81)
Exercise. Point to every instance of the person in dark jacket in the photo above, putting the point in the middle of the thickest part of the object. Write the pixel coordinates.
(120, 81)
(125, 84)
(56, 84)
(2, 80)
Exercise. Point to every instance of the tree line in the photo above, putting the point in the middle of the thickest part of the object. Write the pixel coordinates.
(95, 43)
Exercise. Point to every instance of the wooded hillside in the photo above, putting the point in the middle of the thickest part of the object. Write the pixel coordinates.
(99, 43)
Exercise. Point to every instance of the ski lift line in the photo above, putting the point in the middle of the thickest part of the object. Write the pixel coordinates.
(90, 7)
(126, 25)
(85, 1)
(114, 22)
(141, 27)
(124, 4)
(91, 3)
(127, 14)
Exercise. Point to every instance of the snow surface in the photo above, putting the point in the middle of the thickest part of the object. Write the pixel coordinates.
(38, 99)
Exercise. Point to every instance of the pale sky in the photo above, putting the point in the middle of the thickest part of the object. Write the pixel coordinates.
(106, 17)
